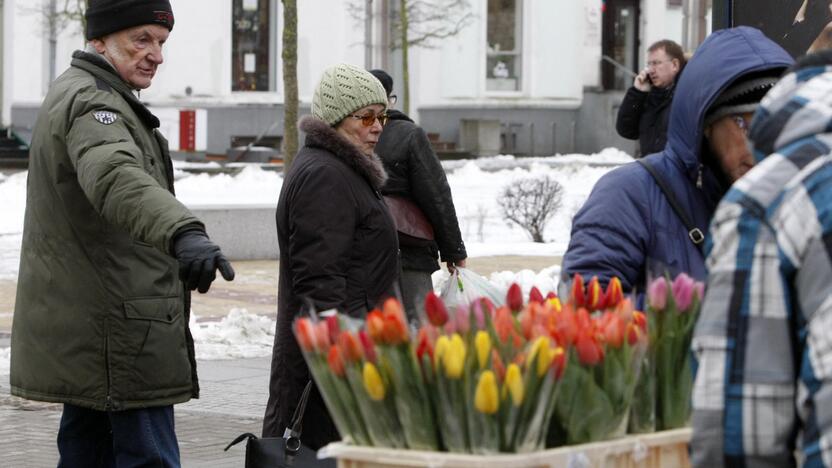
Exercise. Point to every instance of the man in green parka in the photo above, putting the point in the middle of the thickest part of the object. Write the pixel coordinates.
(109, 255)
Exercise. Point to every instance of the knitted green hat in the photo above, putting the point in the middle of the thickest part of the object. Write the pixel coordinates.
(344, 89)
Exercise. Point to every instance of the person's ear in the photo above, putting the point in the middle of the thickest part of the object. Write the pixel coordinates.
(675, 63)
(99, 45)
(707, 132)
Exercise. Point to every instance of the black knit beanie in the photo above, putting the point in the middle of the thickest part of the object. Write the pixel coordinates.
(109, 16)
(743, 94)
(385, 79)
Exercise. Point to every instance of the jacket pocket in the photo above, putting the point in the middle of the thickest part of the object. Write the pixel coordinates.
(148, 351)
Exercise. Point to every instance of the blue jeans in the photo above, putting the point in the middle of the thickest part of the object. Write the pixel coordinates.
(124, 439)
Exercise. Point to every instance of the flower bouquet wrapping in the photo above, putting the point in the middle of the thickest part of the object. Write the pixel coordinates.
(325, 363)
(607, 340)
(673, 306)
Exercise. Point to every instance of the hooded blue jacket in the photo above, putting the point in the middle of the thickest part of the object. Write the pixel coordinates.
(627, 223)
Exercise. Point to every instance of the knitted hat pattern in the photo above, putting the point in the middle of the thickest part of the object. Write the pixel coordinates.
(743, 95)
(344, 89)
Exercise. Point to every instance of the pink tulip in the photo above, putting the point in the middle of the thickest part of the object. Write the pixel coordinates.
(657, 294)
(683, 290)
(479, 314)
(463, 320)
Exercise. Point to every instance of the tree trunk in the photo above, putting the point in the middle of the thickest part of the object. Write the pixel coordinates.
(290, 82)
(405, 69)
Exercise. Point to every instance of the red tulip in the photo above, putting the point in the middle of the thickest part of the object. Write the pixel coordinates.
(535, 296)
(305, 334)
(589, 351)
(424, 346)
(514, 297)
(367, 345)
(559, 362)
(594, 294)
(333, 327)
(335, 361)
(614, 293)
(633, 333)
(640, 319)
(435, 309)
(577, 290)
(551, 295)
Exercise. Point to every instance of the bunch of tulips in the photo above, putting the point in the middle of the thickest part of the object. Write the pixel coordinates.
(481, 378)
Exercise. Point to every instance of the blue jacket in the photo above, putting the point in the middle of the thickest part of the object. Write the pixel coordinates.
(627, 223)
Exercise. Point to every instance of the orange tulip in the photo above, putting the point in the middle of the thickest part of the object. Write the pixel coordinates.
(322, 338)
(641, 320)
(375, 325)
(395, 330)
(305, 334)
(589, 351)
(633, 333)
(350, 346)
(613, 328)
(497, 364)
(336, 361)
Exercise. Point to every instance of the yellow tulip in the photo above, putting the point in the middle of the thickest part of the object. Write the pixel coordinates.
(485, 398)
(439, 350)
(483, 344)
(454, 357)
(372, 382)
(514, 384)
(544, 353)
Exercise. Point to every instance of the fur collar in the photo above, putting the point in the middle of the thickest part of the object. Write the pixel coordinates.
(321, 135)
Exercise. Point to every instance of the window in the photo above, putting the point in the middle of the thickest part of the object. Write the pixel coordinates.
(503, 65)
(252, 59)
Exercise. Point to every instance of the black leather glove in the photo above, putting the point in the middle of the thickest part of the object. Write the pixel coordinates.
(199, 259)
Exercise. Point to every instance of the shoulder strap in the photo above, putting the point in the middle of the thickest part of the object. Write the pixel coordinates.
(292, 433)
(695, 234)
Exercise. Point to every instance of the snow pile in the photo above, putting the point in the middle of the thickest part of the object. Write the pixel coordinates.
(13, 194)
(239, 334)
(5, 359)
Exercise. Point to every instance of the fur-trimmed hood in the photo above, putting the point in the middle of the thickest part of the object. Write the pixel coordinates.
(321, 135)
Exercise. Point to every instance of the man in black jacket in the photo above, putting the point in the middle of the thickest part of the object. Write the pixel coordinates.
(416, 175)
(644, 112)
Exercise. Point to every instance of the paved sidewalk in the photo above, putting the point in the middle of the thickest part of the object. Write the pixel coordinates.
(233, 398)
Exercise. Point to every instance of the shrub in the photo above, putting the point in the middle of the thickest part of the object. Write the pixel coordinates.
(530, 203)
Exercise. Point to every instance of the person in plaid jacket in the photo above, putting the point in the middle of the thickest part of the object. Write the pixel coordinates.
(762, 395)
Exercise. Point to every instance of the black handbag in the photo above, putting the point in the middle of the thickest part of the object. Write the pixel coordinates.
(286, 451)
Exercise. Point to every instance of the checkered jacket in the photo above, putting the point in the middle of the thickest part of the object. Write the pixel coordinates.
(763, 390)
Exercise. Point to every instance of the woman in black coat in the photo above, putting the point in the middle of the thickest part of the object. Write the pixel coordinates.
(338, 245)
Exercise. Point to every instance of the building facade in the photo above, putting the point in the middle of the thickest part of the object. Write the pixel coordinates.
(526, 77)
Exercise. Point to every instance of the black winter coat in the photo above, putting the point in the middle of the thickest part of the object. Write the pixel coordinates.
(643, 116)
(338, 248)
(415, 173)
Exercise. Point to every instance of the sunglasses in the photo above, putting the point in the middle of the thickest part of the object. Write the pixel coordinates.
(369, 119)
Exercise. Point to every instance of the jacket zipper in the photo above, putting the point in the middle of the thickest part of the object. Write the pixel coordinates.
(699, 177)
(108, 403)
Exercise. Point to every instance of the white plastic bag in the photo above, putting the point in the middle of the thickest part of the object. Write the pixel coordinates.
(464, 286)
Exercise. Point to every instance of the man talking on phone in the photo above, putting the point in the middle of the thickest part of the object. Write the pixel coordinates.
(645, 110)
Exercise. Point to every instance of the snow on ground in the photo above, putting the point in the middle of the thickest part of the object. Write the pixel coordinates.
(475, 185)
